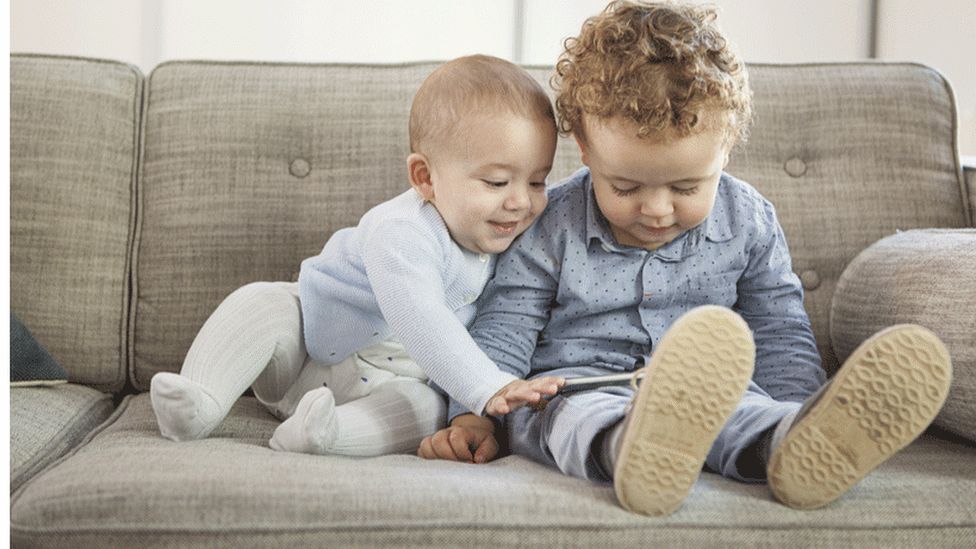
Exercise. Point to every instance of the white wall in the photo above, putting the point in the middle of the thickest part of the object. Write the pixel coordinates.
(146, 32)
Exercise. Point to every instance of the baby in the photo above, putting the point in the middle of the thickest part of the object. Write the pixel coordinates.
(385, 307)
(652, 255)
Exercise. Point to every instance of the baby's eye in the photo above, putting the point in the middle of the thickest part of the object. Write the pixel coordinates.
(538, 184)
(686, 192)
(495, 183)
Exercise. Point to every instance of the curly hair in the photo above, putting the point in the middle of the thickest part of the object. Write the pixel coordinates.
(666, 67)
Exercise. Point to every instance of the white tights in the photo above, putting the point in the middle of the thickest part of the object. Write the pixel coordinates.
(254, 338)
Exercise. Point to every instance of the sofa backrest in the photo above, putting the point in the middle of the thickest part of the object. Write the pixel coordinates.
(248, 168)
(73, 149)
(850, 153)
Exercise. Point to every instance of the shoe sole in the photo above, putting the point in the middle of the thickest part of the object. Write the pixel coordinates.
(887, 393)
(695, 379)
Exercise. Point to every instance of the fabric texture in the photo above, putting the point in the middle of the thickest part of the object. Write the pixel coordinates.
(399, 274)
(73, 149)
(247, 495)
(920, 277)
(30, 363)
(46, 422)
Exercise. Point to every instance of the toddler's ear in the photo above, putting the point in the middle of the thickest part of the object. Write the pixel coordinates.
(418, 168)
(584, 158)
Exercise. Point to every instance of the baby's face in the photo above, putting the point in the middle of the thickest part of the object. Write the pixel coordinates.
(652, 191)
(490, 185)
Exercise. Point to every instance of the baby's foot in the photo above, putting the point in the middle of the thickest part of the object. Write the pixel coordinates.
(313, 427)
(885, 395)
(695, 379)
(184, 410)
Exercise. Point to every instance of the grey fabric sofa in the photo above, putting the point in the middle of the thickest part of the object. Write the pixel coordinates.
(138, 203)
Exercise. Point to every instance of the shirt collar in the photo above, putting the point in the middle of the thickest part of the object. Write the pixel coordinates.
(717, 227)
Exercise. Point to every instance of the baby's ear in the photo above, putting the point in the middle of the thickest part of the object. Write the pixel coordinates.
(418, 168)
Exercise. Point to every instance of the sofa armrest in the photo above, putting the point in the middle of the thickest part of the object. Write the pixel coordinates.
(920, 277)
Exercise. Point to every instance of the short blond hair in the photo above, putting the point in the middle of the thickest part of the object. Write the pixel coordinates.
(476, 84)
(665, 67)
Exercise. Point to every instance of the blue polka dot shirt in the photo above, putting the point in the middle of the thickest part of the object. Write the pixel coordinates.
(567, 299)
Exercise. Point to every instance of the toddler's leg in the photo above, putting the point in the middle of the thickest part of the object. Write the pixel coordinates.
(393, 419)
(696, 378)
(884, 396)
(257, 326)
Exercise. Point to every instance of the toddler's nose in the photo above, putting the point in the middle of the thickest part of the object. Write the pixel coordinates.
(657, 207)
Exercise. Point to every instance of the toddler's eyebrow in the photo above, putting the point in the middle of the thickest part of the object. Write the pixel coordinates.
(675, 182)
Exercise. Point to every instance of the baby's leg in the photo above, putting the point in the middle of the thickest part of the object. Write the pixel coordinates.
(392, 419)
(885, 395)
(258, 326)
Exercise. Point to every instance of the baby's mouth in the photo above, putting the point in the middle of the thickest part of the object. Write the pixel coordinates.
(504, 228)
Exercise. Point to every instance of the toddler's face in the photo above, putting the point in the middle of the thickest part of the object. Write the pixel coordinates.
(490, 185)
(651, 191)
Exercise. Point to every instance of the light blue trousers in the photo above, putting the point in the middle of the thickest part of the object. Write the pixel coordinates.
(562, 435)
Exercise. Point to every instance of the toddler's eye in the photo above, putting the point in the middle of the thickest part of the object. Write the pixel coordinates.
(686, 192)
(538, 184)
(495, 183)
(623, 192)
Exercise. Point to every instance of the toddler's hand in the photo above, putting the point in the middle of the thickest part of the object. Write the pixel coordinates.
(467, 433)
(521, 392)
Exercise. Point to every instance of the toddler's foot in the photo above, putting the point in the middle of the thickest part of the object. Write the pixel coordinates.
(184, 410)
(695, 378)
(312, 428)
(885, 395)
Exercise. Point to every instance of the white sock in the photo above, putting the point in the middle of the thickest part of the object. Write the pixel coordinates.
(393, 419)
(312, 429)
(256, 327)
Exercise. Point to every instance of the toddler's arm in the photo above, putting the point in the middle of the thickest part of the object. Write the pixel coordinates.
(466, 433)
(771, 302)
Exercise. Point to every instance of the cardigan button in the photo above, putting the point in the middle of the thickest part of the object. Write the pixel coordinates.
(300, 167)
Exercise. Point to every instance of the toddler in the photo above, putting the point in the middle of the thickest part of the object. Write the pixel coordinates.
(653, 256)
(386, 304)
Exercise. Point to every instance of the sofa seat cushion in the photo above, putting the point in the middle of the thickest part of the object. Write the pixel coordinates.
(232, 489)
(46, 422)
(920, 277)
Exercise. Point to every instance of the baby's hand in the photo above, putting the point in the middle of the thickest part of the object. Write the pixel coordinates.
(521, 392)
(467, 433)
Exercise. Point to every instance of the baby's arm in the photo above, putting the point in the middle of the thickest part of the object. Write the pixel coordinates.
(521, 392)
(771, 301)
(406, 267)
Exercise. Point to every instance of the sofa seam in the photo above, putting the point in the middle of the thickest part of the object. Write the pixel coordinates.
(71, 452)
(138, 216)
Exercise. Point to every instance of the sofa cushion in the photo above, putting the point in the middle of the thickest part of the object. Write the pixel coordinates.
(46, 422)
(30, 363)
(73, 147)
(921, 277)
(233, 489)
